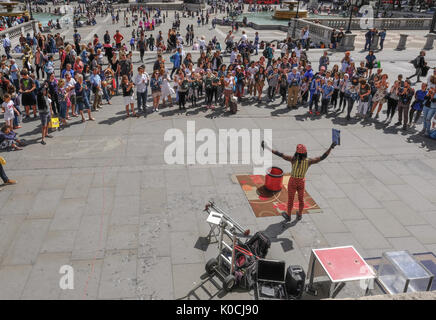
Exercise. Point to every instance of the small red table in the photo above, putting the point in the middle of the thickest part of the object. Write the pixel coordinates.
(340, 265)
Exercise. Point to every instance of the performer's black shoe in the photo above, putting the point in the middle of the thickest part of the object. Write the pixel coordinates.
(299, 217)
(286, 216)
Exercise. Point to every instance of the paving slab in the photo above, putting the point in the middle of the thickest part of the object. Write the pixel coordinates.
(46, 202)
(68, 214)
(404, 213)
(407, 243)
(154, 236)
(360, 197)
(183, 250)
(425, 234)
(366, 234)
(345, 209)
(386, 223)
(413, 198)
(43, 282)
(27, 242)
(118, 275)
(122, 237)
(155, 281)
(12, 281)
(90, 238)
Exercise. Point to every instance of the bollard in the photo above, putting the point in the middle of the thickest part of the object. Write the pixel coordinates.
(374, 43)
(347, 43)
(402, 42)
(429, 43)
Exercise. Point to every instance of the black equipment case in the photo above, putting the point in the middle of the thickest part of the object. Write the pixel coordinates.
(270, 282)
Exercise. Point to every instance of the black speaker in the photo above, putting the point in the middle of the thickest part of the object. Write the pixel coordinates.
(294, 282)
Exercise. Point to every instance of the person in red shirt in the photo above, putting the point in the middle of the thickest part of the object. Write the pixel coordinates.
(118, 37)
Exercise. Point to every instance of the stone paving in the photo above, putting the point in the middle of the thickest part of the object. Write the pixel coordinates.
(100, 197)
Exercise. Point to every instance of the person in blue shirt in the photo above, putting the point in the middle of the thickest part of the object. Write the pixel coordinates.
(382, 35)
(67, 69)
(95, 81)
(327, 92)
(315, 91)
(418, 104)
(7, 46)
(294, 82)
(309, 72)
(256, 42)
(176, 59)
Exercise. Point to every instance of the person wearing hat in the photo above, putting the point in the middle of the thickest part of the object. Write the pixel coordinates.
(300, 164)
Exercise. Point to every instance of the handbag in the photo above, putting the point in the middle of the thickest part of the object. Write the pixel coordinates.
(54, 122)
(2, 161)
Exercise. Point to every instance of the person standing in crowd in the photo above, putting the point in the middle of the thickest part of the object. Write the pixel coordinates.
(379, 97)
(156, 89)
(141, 82)
(382, 35)
(405, 96)
(118, 37)
(27, 90)
(429, 111)
(44, 108)
(324, 60)
(294, 82)
(364, 93)
(7, 46)
(127, 87)
(417, 105)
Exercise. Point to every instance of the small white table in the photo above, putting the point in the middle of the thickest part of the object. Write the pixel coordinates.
(340, 265)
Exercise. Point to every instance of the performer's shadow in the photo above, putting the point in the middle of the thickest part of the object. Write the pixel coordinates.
(273, 232)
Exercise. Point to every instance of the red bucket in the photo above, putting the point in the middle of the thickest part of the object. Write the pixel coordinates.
(274, 179)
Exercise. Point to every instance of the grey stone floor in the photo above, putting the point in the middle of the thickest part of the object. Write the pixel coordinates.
(100, 197)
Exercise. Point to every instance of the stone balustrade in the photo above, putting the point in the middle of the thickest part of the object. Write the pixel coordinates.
(380, 23)
(15, 32)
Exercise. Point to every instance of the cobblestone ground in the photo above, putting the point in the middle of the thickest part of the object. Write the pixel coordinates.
(100, 197)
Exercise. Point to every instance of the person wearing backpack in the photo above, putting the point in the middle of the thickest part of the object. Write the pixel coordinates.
(419, 63)
(126, 67)
(268, 53)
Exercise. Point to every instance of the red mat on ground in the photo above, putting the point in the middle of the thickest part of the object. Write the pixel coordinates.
(268, 204)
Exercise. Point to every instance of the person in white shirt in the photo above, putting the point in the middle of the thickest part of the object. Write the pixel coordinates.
(244, 37)
(141, 82)
(431, 80)
(252, 70)
(233, 55)
(202, 43)
(9, 109)
(70, 85)
(229, 83)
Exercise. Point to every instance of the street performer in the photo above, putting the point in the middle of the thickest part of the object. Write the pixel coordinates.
(300, 165)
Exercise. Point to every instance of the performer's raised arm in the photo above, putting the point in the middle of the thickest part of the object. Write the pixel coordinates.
(277, 153)
(325, 155)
